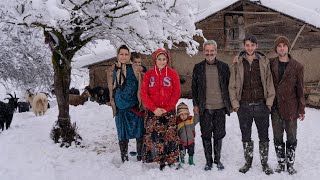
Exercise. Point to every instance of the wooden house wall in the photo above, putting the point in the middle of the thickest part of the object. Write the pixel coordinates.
(98, 74)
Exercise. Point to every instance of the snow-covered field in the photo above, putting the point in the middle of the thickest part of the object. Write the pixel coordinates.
(28, 153)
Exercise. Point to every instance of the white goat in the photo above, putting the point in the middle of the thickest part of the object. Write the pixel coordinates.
(39, 102)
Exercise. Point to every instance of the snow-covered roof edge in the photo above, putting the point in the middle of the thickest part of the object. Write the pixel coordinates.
(213, 9)
(309, 16)
(91, 59)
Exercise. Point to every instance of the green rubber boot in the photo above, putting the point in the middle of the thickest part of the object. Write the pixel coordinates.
(190, 161)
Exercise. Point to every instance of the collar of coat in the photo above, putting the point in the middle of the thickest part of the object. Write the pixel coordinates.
(258, 55)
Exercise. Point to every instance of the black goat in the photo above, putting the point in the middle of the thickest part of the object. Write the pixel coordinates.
(7, 110)
(104, 99)
(99, 94)
(23, 107)
(74, 91)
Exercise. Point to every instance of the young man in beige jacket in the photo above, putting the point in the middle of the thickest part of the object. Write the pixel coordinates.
(252, 93)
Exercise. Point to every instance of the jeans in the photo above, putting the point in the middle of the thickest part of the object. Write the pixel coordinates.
(259, 112)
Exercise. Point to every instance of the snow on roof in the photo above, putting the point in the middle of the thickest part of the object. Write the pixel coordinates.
(98, 56)
(287, 7)
(310, 16)
(212, 7)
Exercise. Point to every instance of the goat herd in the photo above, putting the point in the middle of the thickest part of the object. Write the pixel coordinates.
(39, 102)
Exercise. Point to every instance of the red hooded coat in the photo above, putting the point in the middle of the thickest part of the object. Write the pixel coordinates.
(160, 88)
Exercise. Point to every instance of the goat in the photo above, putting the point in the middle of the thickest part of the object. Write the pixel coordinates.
(74, 91)
(39, 102)
(7, 110)
(23, 106)
(76, 100)
(99, 94)
(48, 95)
(104, 98)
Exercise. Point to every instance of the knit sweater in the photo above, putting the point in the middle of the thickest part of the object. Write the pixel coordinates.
(186, 129)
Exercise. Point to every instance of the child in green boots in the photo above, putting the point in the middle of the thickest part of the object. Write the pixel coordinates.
(186, 132)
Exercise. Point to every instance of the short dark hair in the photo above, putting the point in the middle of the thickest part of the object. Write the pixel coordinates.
(135, 55)
(123, 47)
(250, 37)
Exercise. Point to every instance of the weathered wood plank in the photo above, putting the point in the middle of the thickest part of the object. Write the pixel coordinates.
(263, 23)
(251, 12)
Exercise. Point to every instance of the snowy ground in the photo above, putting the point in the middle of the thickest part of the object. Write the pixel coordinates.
(27, 152)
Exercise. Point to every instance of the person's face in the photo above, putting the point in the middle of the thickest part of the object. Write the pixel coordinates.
(123, 56)
(137, 61)
(161, 61)
(183, 116)
(282, 49)
(210, 52)
(250, 47)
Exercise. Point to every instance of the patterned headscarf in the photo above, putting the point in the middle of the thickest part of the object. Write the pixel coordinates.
(121, 70)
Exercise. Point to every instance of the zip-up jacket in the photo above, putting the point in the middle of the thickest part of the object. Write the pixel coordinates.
(237, 77)
(186, 129)
(160, 89)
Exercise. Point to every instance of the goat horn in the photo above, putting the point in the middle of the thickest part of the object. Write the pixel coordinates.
(10, 95)
(15, 96)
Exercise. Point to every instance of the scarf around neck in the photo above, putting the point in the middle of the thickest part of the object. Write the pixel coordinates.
(121, 74)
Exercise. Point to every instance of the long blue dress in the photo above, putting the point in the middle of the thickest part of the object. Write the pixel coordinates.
(129, 125)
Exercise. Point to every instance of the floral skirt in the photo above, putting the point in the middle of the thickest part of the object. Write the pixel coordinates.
(161, 141)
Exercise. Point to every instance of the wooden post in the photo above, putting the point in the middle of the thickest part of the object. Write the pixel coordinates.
(297, 36)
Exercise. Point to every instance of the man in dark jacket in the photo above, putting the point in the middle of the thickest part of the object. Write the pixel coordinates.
(210, 95)
(289, 103)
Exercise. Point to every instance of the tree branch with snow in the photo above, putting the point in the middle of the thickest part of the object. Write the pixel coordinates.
(68, 25)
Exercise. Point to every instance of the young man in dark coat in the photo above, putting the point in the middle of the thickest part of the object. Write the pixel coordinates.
(210, 95)
(289, 103)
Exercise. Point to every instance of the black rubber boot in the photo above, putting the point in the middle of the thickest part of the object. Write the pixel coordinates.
(207, 146)
(248, 156)
(162, 164)
(281, 156)
(290, 152)
(264, 154)
(139, 148)
(124, 150)
(217, 154)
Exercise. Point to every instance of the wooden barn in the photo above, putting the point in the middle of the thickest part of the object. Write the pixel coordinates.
(97, 72)
(228, 24)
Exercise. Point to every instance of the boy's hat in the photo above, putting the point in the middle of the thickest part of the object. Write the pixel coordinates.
(281, 39)
(182, 108)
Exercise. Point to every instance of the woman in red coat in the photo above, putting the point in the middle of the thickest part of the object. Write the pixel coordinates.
(160, 92)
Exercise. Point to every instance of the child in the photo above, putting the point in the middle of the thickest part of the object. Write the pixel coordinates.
(136, 59)
(186, 132)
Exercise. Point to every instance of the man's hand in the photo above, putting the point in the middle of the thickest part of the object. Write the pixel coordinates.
(301, 117)
(140, 68)
(158, 112)
(269, 107)
(196, 110)
(235, 59)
